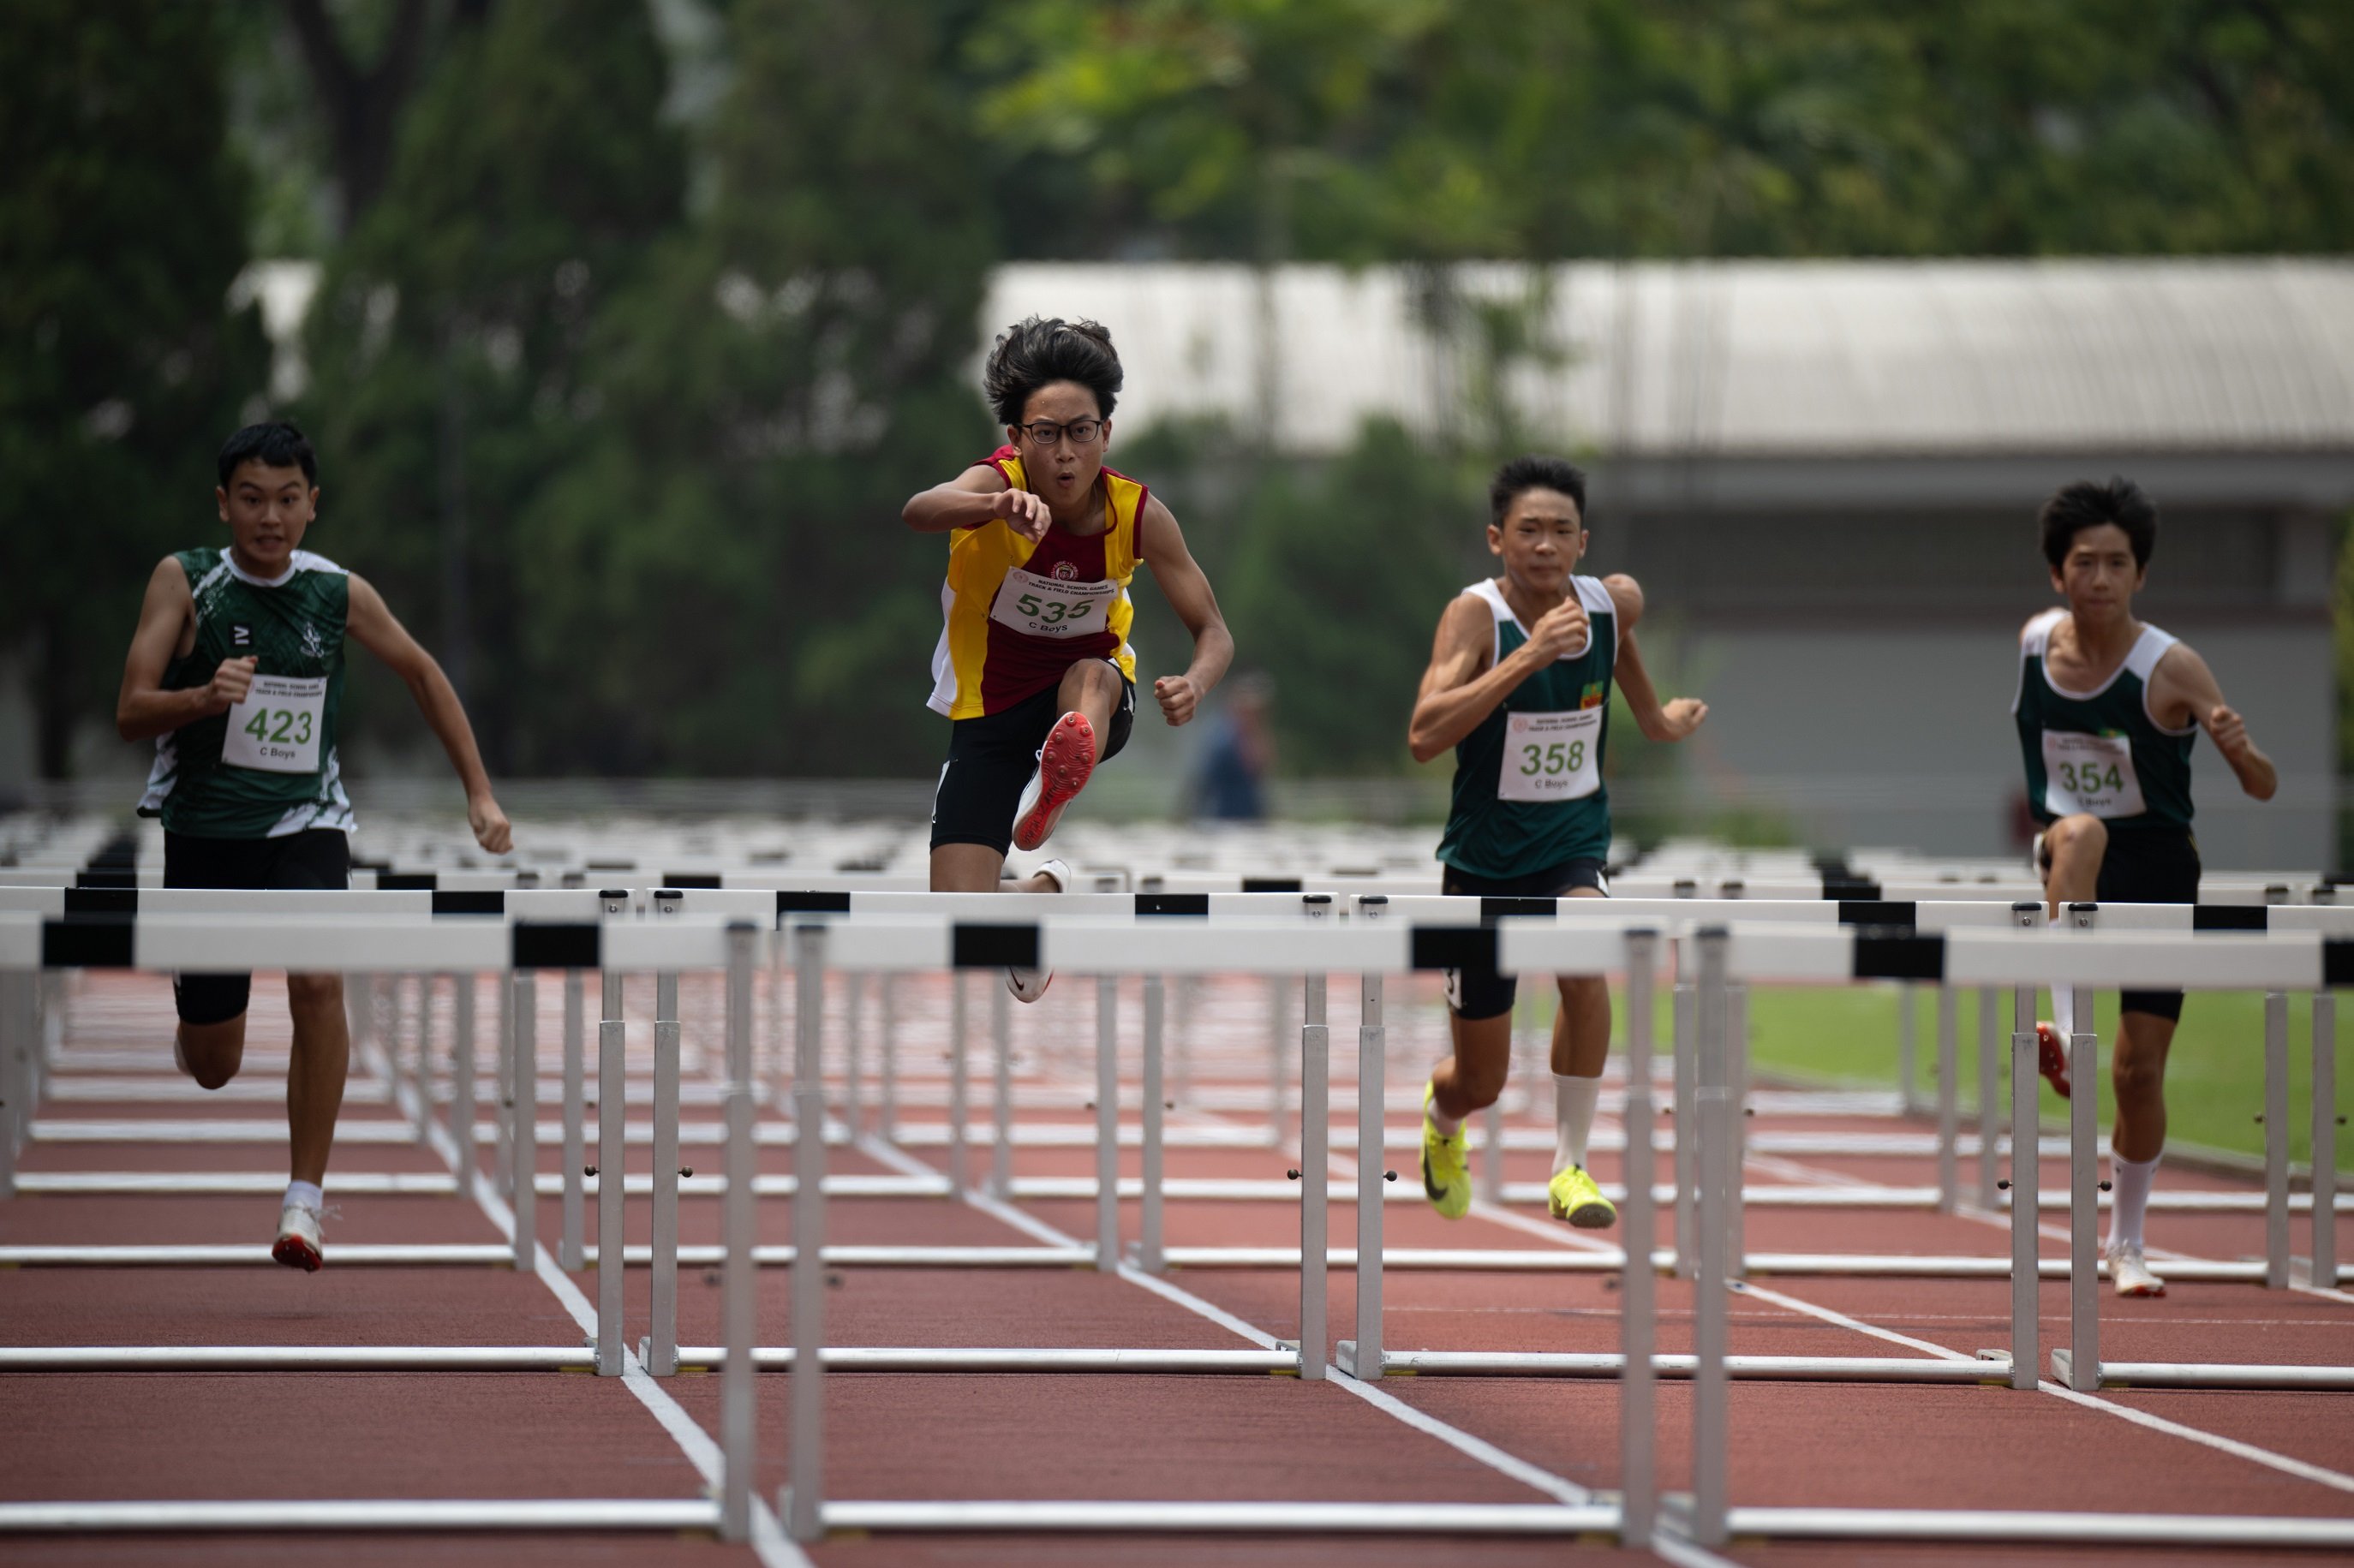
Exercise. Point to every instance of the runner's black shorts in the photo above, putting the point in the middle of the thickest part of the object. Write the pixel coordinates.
(1481, 991)
(991, 759)
(316, 857)
(2147, 866)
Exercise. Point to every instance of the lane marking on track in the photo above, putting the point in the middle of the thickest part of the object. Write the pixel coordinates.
(1559, 1487)
(768, 1540)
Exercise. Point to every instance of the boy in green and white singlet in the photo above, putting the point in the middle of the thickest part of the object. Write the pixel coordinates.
(1519, 684)
(2108, 710)
(237, 674)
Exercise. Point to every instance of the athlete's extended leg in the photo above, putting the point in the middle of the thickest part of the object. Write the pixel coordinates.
(314, 1076)
(1090, 691)
(1581, 1047)
(2073, 848)
(1093, 687)
(977, 868)
(211, 1052)
(2137, 1072)
(1469, 1080)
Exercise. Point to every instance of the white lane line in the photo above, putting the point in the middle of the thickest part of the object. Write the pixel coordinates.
(1559, 1487)
(768, 1540)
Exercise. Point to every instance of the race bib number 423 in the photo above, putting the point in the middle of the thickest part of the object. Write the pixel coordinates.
(2089, 775)
(277, 726)
(1049, 606)
(1551, 757)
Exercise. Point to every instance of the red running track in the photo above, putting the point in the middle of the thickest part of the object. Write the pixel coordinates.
(999, 1436)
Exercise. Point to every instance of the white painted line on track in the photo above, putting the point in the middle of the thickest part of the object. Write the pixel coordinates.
(768, 1540)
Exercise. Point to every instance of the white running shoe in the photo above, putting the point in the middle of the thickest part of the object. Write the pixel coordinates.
(2130, 1273)
(300, 1243)
(1028, 984)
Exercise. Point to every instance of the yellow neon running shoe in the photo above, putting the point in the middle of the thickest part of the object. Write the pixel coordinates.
(1445, 1172)
(1573, 1196)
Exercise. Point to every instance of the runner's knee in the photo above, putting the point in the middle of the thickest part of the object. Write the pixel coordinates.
(2082, 835)
(314, 991)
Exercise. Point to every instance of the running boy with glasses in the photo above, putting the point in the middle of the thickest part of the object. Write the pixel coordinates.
(1033, 667)
(2108, 709)
(1519, 684)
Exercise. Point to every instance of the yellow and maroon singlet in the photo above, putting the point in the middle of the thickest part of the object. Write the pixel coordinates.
(1017, 615)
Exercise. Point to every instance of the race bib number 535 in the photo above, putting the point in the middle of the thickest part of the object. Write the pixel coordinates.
(2089, 775)
(277, 727)
(1551, 757)
(1049, 606)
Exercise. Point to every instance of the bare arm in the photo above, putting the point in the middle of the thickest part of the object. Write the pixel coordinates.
(979, 494)
(144, 710)
(373, 627)
(2182, 683)
(1671, 721)
(1162, 543)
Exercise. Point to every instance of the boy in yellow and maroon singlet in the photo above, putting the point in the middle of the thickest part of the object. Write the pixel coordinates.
(1033, 667)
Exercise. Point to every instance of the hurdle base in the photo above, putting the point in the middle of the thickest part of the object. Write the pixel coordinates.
(1601, 1520)
(2206, 1374)
(2033, 1527)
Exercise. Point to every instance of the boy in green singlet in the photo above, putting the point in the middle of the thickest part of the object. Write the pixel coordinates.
(1519, 684)
(237, 674)
(2107, 709)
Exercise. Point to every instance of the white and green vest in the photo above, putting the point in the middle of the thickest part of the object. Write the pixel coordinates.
(268, 767)
(1528, 780)
(2100, 753)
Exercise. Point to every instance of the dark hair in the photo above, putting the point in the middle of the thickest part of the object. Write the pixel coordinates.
(1033, 353)
(272, 446)
(2084, 505)
(1533, 473)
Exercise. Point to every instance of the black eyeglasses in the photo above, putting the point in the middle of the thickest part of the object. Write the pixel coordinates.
(1083, 432)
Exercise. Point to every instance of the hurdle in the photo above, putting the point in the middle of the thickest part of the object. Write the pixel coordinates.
(2272, 962)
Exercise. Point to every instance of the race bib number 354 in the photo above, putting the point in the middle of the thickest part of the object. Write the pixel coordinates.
(1551, 757)
(277, 728)
(1049, 606)
(2089, 775)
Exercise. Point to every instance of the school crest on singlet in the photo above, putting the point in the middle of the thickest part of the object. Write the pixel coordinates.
(1015, 615)
(268, 767)
(1528, 790)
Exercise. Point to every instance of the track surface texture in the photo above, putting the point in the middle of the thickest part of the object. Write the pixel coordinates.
(1234, 1092)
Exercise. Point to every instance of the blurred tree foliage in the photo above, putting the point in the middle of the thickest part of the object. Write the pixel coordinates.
(122, 360)
(453, 388)
(640, 319)
(1350, 129)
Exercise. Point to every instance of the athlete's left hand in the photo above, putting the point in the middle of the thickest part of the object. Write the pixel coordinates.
(2229, 732)
(1178, 697)
(490, 824)
(1681, 716)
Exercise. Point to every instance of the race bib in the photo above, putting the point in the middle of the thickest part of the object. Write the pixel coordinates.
(2089, 775)
(1049, 606)
(1551, 757)
(277, 726)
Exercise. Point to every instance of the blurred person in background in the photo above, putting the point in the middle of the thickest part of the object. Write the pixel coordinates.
(1229, 786)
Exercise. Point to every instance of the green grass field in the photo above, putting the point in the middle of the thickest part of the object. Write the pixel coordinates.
(2215, 1073)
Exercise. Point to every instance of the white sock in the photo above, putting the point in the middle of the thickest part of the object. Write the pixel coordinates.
(1448, 1125)
(2063, 1000)
(1573, 1114)
(2131, 1181)
(307, 1194)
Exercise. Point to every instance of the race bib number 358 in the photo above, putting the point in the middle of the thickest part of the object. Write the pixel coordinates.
(1049, 606)
(277, 728)
(1551, 757)
(2089, 775)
